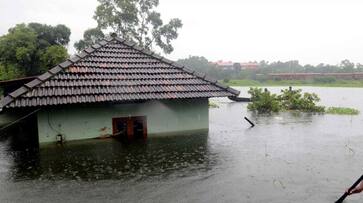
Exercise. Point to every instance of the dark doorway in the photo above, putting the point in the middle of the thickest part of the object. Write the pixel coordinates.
(129, 128)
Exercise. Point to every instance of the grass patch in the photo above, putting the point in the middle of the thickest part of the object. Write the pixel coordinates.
(342, 111)
(242, 83)
(255, 83)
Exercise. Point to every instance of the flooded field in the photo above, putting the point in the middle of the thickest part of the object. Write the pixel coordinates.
(286, 157)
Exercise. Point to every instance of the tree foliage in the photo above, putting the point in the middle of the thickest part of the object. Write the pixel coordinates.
(31, 49)
(90, 36)
(263, 101)
(52, 55)
(8, 72)
(137, 21)
(295, 100)
(264, 68)
(200, 64)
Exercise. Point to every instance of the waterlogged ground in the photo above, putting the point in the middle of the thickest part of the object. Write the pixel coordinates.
(286, 157)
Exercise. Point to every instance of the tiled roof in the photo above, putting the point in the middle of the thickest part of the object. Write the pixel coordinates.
(114, 70)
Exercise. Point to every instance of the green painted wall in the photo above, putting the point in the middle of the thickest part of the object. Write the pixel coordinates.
(83, 122)
(6, 119)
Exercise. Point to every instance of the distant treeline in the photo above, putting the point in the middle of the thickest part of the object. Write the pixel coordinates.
(202, 64)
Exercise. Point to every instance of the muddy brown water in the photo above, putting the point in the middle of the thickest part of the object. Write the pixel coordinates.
(286, 157)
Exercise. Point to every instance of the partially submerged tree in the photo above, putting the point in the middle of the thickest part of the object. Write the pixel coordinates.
(31, 49)
(134, 20)
(295, 100)
(265, 102)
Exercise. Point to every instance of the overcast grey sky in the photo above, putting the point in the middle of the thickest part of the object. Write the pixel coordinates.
(311, 31)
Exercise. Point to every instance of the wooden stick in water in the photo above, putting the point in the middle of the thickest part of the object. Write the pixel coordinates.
(248, 120)
(341, 199)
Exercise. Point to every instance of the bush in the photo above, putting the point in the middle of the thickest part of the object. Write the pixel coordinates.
(294, 100)
(265, 102)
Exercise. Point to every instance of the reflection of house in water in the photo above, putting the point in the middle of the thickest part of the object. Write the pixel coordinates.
(115, 88)
(108, 159)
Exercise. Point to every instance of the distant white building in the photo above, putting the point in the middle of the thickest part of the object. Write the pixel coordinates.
(249, 65)
(225, 65)
(229, 65)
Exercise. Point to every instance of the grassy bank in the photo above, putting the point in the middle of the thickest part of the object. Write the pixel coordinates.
(255, 83)
(342, 111)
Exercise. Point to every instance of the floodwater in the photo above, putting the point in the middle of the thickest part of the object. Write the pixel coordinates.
(286, 157)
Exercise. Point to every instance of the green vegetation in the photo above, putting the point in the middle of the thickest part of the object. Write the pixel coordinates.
(249, 83)
(30, 49)
(342, 111)
(259, 77)
(90, 36)
(254, 83)
(295, 100)
(201, 64)
(134, 20)
(265, 102)
(212, 105)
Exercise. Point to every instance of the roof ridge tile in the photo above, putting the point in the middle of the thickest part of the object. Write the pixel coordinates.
(221, 85)
(155, 55)
(45, 76)
(66, 63)
(102, 42)
(119, 39)
(109, 38)
(18, 92)
(168, 61)
(96, 46)
(33, 83)
(128, 43)
(82, 54)
(75, 58)
(147, 52)
(236, 92)
(138, 48)
(89, 50)
(188, 70)
(55, 69)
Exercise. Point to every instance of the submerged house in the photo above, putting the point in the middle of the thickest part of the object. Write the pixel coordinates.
(115, 88)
